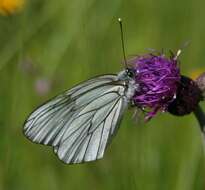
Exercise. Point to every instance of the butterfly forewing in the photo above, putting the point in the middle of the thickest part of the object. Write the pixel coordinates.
(80, 122)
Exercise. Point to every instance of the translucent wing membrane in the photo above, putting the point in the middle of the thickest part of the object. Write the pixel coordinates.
(81, 122)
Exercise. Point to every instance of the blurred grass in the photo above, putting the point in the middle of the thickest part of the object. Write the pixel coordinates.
(65, 42)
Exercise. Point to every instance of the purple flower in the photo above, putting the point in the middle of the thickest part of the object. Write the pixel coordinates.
(158, 78)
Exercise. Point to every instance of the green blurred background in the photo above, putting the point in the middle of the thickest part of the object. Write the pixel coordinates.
(49, 46)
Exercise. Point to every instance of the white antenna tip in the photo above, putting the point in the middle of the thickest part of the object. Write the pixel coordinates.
(179, 52)
(119, 19)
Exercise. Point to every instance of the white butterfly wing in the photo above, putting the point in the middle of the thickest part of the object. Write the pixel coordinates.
(80, 123)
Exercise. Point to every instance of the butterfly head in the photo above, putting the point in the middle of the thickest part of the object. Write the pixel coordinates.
(130, 72)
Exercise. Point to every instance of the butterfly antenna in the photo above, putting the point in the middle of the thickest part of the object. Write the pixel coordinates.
(123, 44)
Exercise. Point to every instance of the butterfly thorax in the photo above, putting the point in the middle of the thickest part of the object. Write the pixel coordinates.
(127, 76)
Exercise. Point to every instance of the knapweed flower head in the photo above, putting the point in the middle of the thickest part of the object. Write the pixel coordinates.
(158, 78)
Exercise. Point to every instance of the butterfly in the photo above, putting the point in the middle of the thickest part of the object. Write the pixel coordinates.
(81, 122)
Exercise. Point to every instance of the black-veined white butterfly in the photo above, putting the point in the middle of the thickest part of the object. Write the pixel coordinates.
(81, 122)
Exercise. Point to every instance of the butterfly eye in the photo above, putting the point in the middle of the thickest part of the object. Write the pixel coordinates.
(130, 73)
